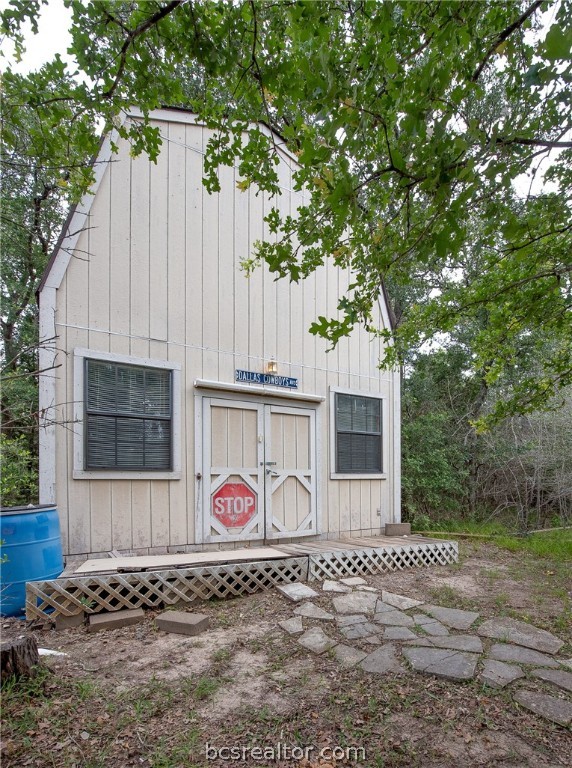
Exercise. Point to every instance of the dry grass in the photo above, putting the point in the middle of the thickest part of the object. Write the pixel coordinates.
(154, 700)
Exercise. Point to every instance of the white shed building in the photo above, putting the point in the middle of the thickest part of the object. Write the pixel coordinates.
(186, 406)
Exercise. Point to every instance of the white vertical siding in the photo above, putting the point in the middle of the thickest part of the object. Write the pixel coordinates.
(256, 283)
(157, 275)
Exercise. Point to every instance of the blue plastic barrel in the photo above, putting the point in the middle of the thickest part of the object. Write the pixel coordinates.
(31, 549)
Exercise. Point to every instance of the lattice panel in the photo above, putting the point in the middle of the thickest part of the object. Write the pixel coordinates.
(358, 562)
(113, 592)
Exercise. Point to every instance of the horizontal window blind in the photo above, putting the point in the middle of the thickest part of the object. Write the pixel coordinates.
(128, 417)
(358, 434)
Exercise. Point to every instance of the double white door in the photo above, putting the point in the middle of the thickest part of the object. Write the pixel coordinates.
(259, 471)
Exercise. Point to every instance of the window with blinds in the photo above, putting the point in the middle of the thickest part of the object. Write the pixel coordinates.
(128, 417)
(358, 434)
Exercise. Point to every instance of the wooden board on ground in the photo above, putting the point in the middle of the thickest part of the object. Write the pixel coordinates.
(161, 562)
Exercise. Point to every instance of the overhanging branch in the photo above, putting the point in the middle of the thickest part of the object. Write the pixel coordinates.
(132, 36)
(506, 33)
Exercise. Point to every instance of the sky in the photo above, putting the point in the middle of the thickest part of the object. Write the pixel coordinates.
(53, 37)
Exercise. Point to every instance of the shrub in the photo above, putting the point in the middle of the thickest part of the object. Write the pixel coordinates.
(19, 478)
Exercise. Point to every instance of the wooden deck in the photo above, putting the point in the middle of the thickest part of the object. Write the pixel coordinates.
(133, 564)
(157, 581)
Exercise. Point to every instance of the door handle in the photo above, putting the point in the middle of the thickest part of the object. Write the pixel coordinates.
(272, 471)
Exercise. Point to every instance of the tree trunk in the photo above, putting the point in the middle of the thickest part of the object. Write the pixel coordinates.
(18, 657)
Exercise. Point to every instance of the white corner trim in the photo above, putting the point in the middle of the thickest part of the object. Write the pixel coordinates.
(247, 389)
(79, 473)
(47, 358)
(333, 435)
(397, 446)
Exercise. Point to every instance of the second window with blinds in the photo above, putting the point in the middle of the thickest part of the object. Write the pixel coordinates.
(358, 434)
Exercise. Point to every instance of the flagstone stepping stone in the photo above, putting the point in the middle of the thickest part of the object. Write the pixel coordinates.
(382, 660)
(556, 676)
(353, 581)
(373, 640)
(311, 611)
(334, 586)
(357, 602)
(293, 626)
(421, 619)
(521, 633)
(399, 633)
(442, 662)
(394, 618)
(348, 621)
(451, 617)
(297, 592)
(554, 709)
(316, 640)
(382, 607)
(398, 601)
(469, 643)
(566, 663)
(504, 652)
(348, 656)
(435, 629)
(424, 642)
(359, 631)
(364, 588)
(497, 674)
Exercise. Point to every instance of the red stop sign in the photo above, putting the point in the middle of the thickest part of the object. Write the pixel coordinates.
(234, 504)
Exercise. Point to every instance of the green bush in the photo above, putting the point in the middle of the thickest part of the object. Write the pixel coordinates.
(434, 476)
(19, 477)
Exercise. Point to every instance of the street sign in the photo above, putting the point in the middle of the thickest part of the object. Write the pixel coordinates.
(234, 505)
(253, 377)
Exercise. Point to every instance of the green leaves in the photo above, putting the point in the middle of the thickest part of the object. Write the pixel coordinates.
(558, 43)
(19, 478)
(414, 125)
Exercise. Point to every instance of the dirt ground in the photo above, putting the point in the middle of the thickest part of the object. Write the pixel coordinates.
(141, 697)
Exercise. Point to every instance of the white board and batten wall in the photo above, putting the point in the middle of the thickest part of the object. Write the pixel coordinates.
(147, 277)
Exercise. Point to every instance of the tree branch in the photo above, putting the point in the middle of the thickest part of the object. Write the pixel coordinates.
(503, 36)
(556, 272)
(536, 143)
(561, 231)
(132, 36)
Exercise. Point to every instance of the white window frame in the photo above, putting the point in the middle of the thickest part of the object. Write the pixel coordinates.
(79, 473)
(334, 436)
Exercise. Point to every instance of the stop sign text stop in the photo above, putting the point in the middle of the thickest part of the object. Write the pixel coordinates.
(234, 504)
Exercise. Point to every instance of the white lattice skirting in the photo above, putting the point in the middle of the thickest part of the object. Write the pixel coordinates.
(74, 595)
(357, 562)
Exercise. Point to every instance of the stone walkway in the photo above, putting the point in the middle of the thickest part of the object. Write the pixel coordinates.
(385, 633)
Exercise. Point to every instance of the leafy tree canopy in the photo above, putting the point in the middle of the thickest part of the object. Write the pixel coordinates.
(409, 121)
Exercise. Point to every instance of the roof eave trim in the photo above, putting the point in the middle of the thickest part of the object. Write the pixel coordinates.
(76, 219)
(188, 117)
